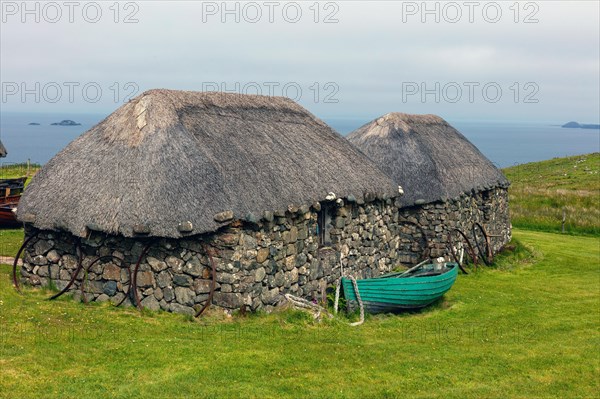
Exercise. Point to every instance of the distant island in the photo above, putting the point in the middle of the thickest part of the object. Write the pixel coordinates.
(66, 122)
(576, 125)
(34, 124)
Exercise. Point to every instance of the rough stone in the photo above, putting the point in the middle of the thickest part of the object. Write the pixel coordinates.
(156, 264)
(163, 279)
(41, 247)
(182, 280)
(103, 298)
(262, 255)
(175, 264)
(259, 274)
(223, 217)
(151, 303)
(270, 297)
(193, 267)
(145, 279)
(185, 296)
(202, 286)
(53, 256)
(111, 272)
(168, 294)
(228, 300)
(177, 308)
(40, 260)
(110, 288)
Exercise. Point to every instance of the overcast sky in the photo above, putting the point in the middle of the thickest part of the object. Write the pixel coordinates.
(536, 61)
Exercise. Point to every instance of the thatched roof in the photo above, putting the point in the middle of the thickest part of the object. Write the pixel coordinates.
(171, 157)
(427, 156)
(3, 151)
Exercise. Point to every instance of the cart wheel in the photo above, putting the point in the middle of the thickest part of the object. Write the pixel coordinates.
(457, 241)
(482, 242)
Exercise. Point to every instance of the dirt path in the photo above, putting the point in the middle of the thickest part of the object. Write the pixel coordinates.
(9, 261)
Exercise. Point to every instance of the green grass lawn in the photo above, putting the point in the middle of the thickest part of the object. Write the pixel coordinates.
(10, 241)
(525, 329)
(540, 191)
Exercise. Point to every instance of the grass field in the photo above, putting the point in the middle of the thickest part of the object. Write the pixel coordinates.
(525, 329)
(540, 192)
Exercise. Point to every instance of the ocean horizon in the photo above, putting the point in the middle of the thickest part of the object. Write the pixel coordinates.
(505, 143)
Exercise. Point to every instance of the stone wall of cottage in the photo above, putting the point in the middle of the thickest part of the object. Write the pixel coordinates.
(437, 219)
(256, 263)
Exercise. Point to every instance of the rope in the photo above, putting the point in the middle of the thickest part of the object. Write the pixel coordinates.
(304, 304)
(358, 299)
(360, 303)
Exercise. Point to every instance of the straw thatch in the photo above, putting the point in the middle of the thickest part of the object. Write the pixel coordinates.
(3, 151)
(427, 156)
(167, 158)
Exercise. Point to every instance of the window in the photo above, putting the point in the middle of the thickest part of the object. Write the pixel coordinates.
(324, 224)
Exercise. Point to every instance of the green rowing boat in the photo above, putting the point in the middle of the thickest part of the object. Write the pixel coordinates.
(413, 289)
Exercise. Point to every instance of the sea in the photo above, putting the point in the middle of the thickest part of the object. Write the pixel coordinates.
(505, 143)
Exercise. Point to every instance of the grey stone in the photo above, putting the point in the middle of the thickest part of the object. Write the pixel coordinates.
(250, 217)
(53, 256)
(185, 227)
(182, 280)
(226, 288)
(259, 274)
(202, 286)
(270, 297)
(168, 294)
(145, 279)
(41, 247)
(54, 272)
(117, 298)
(69, 262)
(227, 300)
(223, 217)
(193, 267)
(102, 298)
(184, 296)
(151, 303)
(226, 278)
(163, 279)
(158, 294)
(156, 264)
(175, 263)
(177, 308)
(268, 216)
(300, 260)
(111, 272)
(40, 260)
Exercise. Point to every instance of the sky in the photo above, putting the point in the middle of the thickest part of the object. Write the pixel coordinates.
(479, 60)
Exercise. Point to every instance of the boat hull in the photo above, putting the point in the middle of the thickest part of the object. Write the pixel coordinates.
(390, 294)
(8, 218)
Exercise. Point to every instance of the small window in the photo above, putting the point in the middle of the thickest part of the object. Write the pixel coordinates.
(324, 224)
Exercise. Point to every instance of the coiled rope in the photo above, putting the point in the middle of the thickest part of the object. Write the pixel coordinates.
(358, 299)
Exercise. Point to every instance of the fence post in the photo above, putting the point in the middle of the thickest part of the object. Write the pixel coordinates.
(564, 219)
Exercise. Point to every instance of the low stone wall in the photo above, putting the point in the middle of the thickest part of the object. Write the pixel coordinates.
(257, 263)
(437, 219)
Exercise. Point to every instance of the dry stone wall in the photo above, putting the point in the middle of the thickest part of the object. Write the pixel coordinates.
(256, 263)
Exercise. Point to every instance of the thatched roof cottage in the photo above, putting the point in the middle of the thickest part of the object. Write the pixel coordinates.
(174, 184)
(3, 151)
(448, 182)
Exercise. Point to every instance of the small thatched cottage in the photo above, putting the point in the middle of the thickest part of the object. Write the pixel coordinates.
(3, 151)
(448, 182)
(175, 183)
